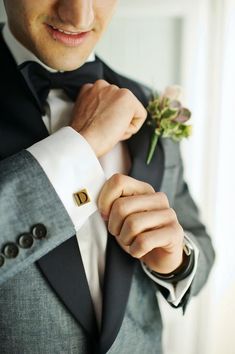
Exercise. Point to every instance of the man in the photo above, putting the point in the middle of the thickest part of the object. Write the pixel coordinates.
(73, 145)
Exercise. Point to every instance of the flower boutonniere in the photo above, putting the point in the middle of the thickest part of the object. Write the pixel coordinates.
(168, 118)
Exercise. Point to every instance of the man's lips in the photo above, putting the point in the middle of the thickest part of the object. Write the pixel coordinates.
(70, 39)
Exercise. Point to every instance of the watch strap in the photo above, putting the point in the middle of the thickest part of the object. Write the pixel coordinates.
(183, 271)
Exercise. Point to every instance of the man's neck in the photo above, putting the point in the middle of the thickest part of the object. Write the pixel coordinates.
(21, 54)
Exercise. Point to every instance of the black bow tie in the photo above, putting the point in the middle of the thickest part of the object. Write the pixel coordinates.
(40, 81)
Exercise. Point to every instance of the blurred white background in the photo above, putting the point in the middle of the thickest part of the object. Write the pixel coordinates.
(191, 43)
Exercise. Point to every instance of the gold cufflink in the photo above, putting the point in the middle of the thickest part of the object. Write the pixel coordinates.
(82, 197)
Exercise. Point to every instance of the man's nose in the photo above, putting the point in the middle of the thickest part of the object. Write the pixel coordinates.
(77, 13)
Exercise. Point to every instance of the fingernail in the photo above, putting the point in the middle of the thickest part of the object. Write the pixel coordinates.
(105, 217)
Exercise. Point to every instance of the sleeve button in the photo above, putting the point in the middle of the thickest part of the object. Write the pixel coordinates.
(39, 231)
(10, 250)
(25, 240)
(2, 260)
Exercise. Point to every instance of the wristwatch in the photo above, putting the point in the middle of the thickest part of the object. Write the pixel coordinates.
(183, 270)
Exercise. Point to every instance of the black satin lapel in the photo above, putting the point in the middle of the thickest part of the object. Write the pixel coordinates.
(63, 268)
(21, 124)
(117, 282)
(119, 265)
(138, 147)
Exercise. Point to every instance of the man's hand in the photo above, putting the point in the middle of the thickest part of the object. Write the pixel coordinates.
(143, 223)
(105, 114)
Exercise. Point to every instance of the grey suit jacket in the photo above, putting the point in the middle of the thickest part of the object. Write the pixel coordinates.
(33, 320)
(41, 318)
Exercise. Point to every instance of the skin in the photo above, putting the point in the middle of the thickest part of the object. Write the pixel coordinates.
(27, 20)
(142, 222)
(140, 219)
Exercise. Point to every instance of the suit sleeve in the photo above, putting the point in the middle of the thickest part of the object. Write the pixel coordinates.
(189, 218)
(34, 217)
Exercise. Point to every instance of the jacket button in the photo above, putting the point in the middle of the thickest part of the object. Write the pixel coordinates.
(39, 231)
(10, 250)
(2, 260)
(25, 240)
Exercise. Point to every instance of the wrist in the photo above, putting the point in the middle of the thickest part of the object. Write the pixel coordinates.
(92, 142)
(183, 271)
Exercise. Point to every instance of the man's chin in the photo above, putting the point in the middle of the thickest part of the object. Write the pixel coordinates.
(63, 63)
(63, 56)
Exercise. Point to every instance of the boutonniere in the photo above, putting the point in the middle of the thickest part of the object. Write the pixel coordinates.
(167, 118)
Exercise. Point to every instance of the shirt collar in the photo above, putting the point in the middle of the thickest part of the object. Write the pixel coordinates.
(22, 54)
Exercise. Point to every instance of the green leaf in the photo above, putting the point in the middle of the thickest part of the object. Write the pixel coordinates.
(152, 148)
(169, 113)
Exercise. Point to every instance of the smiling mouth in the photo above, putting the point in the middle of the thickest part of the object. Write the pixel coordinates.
(66, 32)
(68, 38)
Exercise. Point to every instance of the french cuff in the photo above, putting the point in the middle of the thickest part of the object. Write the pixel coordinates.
(73, 170)
(177, 292)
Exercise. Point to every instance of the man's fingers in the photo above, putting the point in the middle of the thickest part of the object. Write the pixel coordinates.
(139, 117)
(120, 186)
(123, 207)
(160, 238)
(133, 128)
(99, 84)
(84, 89)
(138, 223)
(140, 112)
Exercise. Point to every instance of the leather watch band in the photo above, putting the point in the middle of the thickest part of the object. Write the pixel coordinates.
(183, 270)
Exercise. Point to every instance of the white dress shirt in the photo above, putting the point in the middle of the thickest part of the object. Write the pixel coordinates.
(60, 156)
